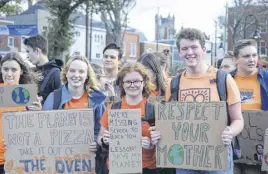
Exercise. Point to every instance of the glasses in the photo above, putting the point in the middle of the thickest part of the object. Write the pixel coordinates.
(135, 83)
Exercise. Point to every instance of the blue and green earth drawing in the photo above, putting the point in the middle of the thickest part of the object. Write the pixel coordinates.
(20, 95)
(176, 154)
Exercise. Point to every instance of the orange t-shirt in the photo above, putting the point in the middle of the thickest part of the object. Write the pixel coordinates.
(77, 103)
(148, 157)
(204, 89)
(2, 147)
(250, 91)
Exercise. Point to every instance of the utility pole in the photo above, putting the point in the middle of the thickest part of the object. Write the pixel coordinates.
(90, 41)
(215, 46)
(87, 11)
(157, 29)
(225, 28)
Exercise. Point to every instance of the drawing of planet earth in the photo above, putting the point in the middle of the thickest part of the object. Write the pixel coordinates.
(176, 154)
(20, 95)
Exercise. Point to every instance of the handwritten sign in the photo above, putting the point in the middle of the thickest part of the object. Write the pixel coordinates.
(191, 135)
(49, 141)
(17, 95)
(252, 136)
(265, 152)
(125, 151)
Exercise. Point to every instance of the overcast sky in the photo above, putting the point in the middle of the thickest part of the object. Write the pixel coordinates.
(191, 13)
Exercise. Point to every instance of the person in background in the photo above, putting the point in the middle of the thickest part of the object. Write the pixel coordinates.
(219, 62)
(112, 56)
(79, 92)
(227, 64)
(135, 87)
(155, 72)
(252, 83)
(102, 81)
(37, 49)
(14, 71)
(191, 46)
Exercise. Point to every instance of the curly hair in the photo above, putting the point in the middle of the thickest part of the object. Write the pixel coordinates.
(90, 83)
(136, 67)
(27, 76)
(152, 61)
(191, 34)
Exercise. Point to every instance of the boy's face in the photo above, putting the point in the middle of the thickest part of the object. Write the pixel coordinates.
(191, 52)
(33, 55)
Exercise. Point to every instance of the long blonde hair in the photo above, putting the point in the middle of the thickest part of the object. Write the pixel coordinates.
(90, 83)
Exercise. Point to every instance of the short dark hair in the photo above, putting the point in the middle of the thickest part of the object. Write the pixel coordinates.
(242, 44)
(256, 146)
(37, 41)
(191, 34)
(114, 47)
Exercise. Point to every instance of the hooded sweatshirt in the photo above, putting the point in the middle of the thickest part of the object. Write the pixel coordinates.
(53, 79)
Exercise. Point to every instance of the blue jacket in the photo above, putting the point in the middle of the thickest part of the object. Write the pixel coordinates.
(263, 79)
(95, 101)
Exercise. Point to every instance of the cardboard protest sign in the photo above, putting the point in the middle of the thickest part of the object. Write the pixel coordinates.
(17, 95)
(191, 135)
(264, 156)
(252, 136)
(49, 141)
(125, 151)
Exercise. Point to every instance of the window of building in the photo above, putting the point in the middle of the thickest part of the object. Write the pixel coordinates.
(11, 41)
(98, 55)
(95, 36)
(132, 52)
(98, 38)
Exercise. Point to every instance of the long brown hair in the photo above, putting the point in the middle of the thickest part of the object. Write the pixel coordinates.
(27, 76)
(137, 67)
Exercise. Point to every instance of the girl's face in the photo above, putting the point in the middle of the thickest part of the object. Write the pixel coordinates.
(77, 73)
(151, 75)
(133, 84)
(11, 72)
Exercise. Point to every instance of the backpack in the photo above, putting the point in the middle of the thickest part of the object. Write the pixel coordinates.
(222, 91)
(149, 111)
(47, 78)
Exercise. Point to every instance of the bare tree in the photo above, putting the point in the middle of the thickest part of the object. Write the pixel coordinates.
(114, 14)
(246, 15)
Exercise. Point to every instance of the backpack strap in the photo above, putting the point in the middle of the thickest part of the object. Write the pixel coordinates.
(116, 105)
(57, 98)
(175, 87)
(47, 78)
(221, 84)
(149, 113)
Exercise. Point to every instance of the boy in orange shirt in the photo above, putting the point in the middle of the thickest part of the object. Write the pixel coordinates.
(252, 83)
(197, 84)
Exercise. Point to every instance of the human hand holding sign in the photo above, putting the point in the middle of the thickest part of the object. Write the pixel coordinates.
(146, 143)
(93, 147)
(106, 137)
(227, 136)
(155, 135)
(36, 105)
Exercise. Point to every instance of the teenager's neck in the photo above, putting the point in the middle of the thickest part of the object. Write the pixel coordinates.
(197, 71)
(111, 74)
(133, 100)
(76, 92)
(43, 60)
(245, 74)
